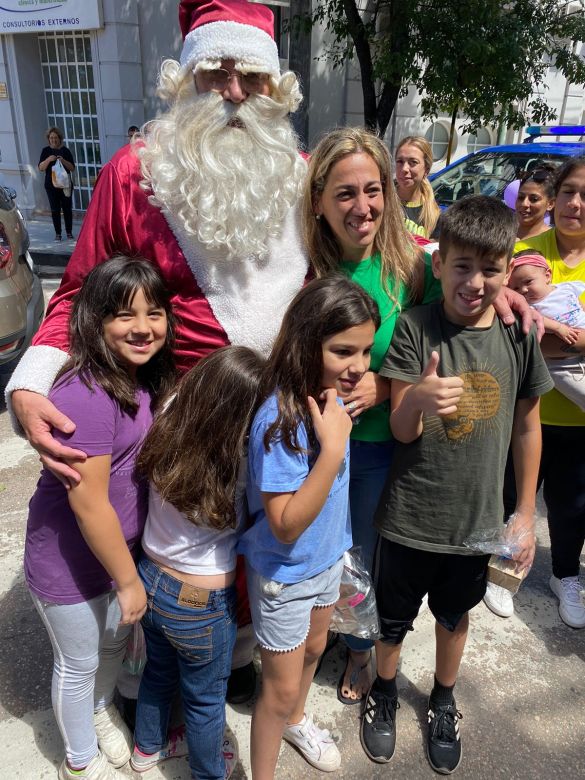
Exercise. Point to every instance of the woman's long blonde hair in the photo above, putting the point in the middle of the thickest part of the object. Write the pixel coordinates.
(430, 211)
(397, 251)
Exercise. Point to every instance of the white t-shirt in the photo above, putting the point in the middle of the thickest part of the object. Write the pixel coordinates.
(169, 538)
(562, 304)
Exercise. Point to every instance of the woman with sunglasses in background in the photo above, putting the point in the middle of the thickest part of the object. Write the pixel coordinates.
(535, 200)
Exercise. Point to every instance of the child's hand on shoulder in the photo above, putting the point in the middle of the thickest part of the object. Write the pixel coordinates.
(434, 394)
(132, 600)
(332, 425)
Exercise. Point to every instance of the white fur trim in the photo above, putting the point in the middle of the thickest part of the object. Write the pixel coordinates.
(249, 296)
(243, 43)
(36, 371)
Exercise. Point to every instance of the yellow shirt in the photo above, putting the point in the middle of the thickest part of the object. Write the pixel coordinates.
(555, 408)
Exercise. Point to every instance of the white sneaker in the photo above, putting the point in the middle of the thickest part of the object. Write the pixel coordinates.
(568, 592)
(176, 747)
(97, 769)
(113, 735)
(499, 600)
(316, 744)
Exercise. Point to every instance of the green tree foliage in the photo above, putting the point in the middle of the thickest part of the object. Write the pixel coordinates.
(486, 59)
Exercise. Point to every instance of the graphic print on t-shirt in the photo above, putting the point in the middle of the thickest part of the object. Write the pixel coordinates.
(484, 391)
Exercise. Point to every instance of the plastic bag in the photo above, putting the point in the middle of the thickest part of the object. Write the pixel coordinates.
(59, 176)
(135, 657)
(356, 612)
(505, 542)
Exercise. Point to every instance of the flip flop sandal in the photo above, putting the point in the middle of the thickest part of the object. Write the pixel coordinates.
(353, 678)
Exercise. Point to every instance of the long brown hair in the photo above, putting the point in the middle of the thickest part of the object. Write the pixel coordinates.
(109, 288)
(430, 210)
(397, 251)
(192, 452)
(295, 367)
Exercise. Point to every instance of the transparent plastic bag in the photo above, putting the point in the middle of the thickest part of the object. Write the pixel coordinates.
(59, 176)
(505, 542)
(356, 612)
(135, 657)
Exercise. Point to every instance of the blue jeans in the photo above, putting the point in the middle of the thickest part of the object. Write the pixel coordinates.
(188, 645)
(369, 465)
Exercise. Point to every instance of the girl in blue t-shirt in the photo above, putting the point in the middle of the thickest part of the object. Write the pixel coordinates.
(297, 490)
(81, 542)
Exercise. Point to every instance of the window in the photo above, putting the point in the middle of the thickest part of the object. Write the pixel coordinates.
(478, 141)
(281, 11)
(438, 137)
(71, 106)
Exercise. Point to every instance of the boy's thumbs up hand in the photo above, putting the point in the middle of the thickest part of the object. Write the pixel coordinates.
(431, 367)
(434, 394)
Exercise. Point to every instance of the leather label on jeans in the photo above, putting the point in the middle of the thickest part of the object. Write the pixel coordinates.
(193, 597)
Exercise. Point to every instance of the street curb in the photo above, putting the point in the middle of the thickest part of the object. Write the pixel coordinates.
(49, 264)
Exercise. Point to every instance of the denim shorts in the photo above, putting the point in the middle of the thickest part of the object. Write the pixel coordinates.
(281, 613)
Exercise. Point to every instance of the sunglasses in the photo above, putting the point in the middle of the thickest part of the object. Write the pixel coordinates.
(217, 80)
(538, 175)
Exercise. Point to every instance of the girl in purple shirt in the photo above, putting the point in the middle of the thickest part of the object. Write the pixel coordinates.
(80, 542)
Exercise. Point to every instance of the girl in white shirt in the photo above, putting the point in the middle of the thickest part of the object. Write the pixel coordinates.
(193, 457)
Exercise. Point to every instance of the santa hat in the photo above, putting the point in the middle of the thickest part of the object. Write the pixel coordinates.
(215, 30)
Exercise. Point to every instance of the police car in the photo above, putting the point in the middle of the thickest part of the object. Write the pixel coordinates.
(489, 171)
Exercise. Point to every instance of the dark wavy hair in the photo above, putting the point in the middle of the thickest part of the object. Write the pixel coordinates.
(295, 367)
(106, 290)
(192, 452)
(542, 174)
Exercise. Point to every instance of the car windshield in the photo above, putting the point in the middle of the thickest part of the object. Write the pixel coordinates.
(487, 173)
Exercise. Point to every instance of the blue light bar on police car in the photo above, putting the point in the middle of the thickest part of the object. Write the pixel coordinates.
(535, 131)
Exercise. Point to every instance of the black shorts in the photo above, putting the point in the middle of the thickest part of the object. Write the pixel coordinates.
(403, 575)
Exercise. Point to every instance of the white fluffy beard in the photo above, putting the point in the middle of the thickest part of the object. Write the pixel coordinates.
(228, 174)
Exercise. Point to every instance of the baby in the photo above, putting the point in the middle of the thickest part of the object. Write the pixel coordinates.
(564, 315)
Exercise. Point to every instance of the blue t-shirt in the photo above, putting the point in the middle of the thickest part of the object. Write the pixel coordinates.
(282, 471)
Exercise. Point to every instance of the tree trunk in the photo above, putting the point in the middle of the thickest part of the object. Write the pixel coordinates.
(362, 50)
(451, 134)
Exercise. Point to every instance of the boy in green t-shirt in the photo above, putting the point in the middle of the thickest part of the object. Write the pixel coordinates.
(464, 387)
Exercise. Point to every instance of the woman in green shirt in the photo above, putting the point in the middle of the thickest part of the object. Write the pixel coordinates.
(353, 223)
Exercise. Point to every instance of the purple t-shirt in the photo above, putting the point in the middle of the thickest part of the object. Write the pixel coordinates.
(59, 566)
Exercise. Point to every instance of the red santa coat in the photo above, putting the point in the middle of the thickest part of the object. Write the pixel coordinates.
(216, 302)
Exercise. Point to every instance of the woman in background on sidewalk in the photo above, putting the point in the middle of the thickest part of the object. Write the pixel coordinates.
(413, 160)
(58, 199)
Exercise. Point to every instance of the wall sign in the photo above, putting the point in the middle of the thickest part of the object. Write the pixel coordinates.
(28, 16)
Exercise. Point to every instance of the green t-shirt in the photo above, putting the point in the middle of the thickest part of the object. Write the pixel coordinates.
(448, 483)
(373, 424)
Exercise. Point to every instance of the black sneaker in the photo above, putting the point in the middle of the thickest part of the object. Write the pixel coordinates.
(443, 742)
(378, 731)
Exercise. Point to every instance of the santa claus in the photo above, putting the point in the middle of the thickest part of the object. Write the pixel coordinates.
(208, 193)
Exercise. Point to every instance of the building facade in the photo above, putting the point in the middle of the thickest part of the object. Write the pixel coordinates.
(90, 68)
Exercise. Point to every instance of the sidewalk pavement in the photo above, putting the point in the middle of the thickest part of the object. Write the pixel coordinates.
(50, 257)
(521, 688)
